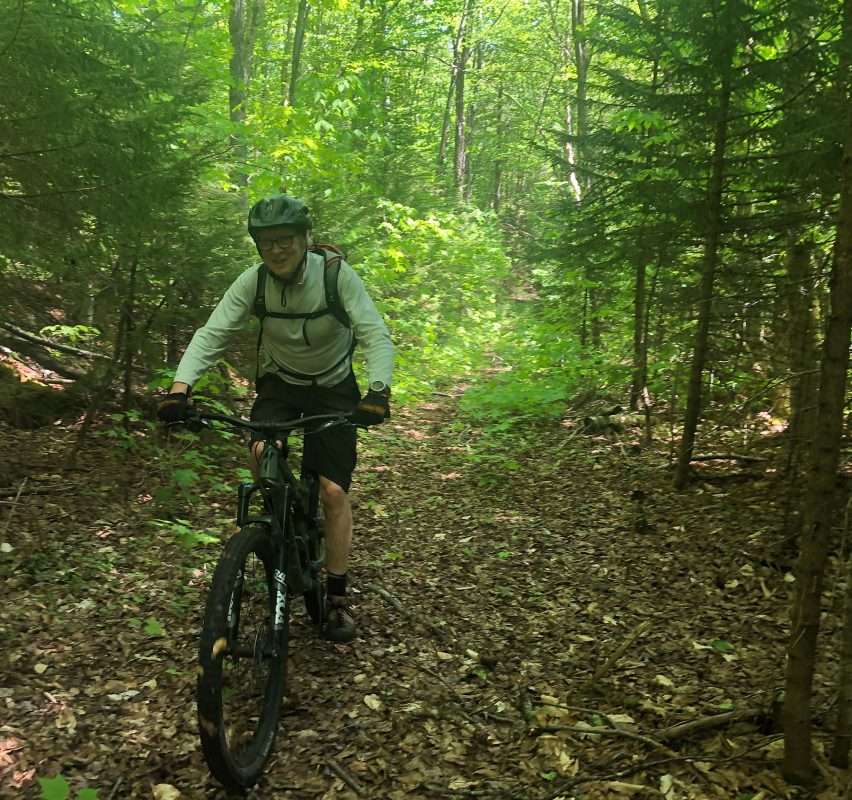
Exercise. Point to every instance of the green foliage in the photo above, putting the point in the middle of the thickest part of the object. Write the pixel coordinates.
(437, 277)
(153, 628)
(122, 158)
(184, 531)
(58, 789)
(73, 334)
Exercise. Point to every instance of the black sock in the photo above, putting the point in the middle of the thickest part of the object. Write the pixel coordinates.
(336, 584)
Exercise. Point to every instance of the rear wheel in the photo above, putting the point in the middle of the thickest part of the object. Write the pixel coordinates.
(242, 676)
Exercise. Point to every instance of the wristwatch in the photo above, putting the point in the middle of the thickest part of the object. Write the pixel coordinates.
(380, 387)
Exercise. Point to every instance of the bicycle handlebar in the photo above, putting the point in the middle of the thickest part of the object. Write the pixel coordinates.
(330, 420)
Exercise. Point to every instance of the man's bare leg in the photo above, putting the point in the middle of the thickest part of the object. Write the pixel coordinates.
(338, 526)
(338, 517)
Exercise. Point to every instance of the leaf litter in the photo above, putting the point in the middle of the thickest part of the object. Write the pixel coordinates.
(519, 637)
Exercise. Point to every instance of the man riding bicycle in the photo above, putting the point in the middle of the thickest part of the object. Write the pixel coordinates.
(304, 364)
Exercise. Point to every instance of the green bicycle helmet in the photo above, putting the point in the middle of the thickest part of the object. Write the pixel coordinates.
(280, 209)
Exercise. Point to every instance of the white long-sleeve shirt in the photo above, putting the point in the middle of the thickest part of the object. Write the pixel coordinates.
(310, 347)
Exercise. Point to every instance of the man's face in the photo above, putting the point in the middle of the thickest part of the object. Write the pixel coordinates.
(282, 249)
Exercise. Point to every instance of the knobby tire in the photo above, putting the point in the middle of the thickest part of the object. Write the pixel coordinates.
(237, 715)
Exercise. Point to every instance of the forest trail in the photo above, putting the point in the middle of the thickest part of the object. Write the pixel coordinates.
(520, 574)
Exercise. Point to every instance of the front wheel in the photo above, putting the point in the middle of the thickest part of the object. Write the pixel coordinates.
(243, 661)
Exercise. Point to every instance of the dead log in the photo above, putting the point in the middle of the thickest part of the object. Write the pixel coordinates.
(705, 723)
(727, 457)
(40, 340)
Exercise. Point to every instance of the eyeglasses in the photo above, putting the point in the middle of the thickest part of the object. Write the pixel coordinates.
(283, 242)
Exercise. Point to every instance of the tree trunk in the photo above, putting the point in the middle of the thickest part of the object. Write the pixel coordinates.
(243, 22)
(803, 352)
(843, 731)
(640, 342)
(287, 59)
(708, 274)
(820, 503)
(298, 49)
(129, 312)
(445, 122)
(478, 61)
(100, 387)
(582, 59)
(497, 189)
(640, 301)
(461, 148)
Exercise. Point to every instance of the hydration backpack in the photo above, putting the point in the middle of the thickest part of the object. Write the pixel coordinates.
(332, 257)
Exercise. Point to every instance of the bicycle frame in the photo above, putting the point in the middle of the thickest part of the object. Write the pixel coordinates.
(275, 556)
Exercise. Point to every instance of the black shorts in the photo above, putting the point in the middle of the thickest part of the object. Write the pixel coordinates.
(331, 453)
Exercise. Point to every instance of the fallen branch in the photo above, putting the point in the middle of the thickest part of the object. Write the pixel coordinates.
(730, 476)
(451, 689)
(606, 732)
(396, 604)
(348, 779)
(64, 348)
(727, 457)
(437, 789)
(638, 631)
(115, 788)
(582, 710)
(15, 348)
(14, 506)
(35, 490)
(715, 721)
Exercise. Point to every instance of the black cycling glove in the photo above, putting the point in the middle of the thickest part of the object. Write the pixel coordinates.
(373, 409)
(173, 407)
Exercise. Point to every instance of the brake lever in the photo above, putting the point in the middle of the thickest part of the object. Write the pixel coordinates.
(332, 423)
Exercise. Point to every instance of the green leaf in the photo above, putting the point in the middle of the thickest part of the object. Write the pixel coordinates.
(504, 553)
(721, 646)
(87, 794)
(549, 776)
(185, 477)
(54, 788)
(153, 627)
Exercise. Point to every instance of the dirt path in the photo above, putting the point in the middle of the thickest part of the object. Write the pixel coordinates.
(519, 573)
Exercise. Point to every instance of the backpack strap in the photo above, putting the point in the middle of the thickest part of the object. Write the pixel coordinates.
(259, 306)
(333, 258)
(259, 310)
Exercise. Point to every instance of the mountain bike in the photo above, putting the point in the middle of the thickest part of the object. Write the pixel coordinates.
(277, 554)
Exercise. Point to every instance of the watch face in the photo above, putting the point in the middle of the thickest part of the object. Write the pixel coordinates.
(378, 386)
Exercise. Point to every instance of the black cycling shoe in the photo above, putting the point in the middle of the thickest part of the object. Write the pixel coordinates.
(340, 624)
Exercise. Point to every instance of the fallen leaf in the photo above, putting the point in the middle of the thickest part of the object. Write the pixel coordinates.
(622, 720)
(165, 791)
(66, 720)
(40, 669)
(373, 702)
(122, 696)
